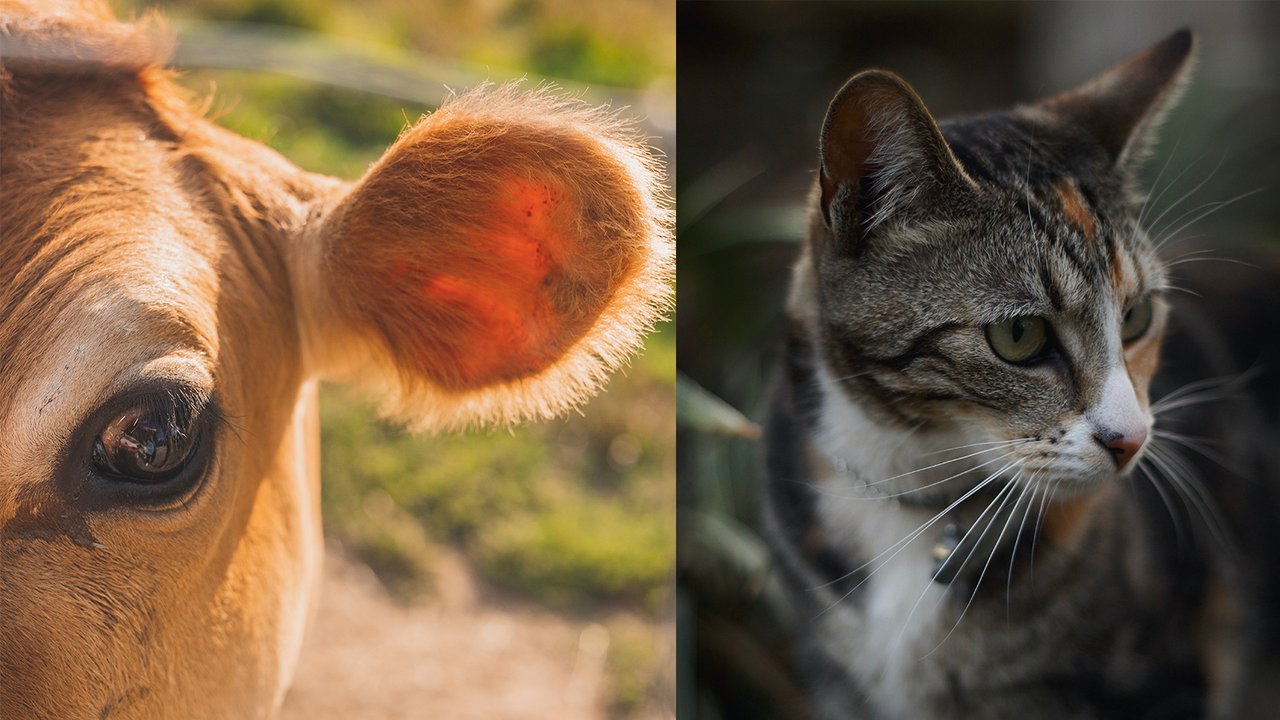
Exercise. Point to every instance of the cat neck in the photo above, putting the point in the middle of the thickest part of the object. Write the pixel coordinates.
(911, 466)
(881, 483)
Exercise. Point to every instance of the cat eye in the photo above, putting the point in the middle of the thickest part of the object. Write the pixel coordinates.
(1136, 320)
(1020, 339)
(148, 443)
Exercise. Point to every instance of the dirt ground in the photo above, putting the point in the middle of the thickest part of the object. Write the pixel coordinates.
(454, 655)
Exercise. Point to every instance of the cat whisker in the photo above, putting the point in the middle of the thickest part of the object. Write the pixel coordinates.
(1013, 553)
(1192, 482)
(1204, 384)
(976, 453)
(1184, 260)
(823, 490)
(1001, 497)
(1046, 501)
(1201, 446)
(1160, 235)
(1188, 254)
(1212, 208)
(1006, 492)
(901, 545)
(978, 585)
(1204, 441)
(1176, 516)
(1193, 493)
(854, 376)
(979, 444)
(1179, 288)
(1189, 193)
(1150, 202)
(1190, 400)
(939, 482)
(907, 436)
(898, 546)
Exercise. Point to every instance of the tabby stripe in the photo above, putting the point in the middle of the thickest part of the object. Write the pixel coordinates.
(1041, 223)
(901, 401)
(977, 169)
(1109, 246)
(976, 396)
(1071, 373)
(1087, 270)
(1051, 288)
(885, 399)
(921, 346)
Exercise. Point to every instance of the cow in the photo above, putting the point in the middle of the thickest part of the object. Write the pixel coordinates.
(170, 296)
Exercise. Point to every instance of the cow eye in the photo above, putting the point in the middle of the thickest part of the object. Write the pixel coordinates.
(148, 443)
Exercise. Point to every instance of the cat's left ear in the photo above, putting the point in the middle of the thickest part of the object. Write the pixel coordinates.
(1123, 106)
(882, 154)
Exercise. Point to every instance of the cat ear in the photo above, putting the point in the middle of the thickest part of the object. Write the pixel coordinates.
(882, 152)
(505, 254)
(1122, 107)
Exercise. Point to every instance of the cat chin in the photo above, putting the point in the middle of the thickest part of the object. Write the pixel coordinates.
(1078, 485)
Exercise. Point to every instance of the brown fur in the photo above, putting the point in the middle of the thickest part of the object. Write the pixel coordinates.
(1065, 519)
(505, 254)
(1075, 209)
(1142, 360)
(547, 236)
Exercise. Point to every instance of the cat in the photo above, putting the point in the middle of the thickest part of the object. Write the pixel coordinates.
(976, 504)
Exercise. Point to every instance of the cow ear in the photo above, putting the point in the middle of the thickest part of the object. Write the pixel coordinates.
(505, 254)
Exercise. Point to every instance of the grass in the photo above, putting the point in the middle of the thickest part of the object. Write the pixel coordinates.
(571, 513)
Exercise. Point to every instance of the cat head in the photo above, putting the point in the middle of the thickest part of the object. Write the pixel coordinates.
(988, 279)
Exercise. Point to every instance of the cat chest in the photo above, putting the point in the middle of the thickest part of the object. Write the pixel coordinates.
(892, 629)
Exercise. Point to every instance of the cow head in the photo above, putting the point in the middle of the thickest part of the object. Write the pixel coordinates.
(169, 295)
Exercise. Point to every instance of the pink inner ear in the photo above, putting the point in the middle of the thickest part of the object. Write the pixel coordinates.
(491, 300)
(534, 200)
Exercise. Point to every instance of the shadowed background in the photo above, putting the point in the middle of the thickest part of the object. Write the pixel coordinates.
(755, 81)
(509, 573)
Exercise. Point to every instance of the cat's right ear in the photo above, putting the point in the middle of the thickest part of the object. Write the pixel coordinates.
(1122, 107)
(882, 153)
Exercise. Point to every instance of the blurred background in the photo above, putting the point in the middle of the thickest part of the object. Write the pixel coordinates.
(755, 81)
(523, 573)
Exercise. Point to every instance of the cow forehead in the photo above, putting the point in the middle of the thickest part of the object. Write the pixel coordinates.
(106, 269)
(121, 255)
(96, 317)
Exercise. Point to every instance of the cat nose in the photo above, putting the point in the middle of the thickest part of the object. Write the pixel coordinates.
(1122, 446)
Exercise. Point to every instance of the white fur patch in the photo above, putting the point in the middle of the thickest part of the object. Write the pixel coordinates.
(903, 615)
(1118, 409)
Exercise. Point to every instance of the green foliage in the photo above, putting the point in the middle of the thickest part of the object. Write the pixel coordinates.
(320, 128)
(582, 542)
(570, 513)
(634, 651)
(624, 43)
(565, 50)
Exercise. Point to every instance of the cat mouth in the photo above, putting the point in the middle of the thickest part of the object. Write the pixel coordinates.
(1078, 484)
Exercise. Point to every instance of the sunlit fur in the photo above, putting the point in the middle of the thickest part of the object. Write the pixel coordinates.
(544, 217)
(897, 417)
(141, 244)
